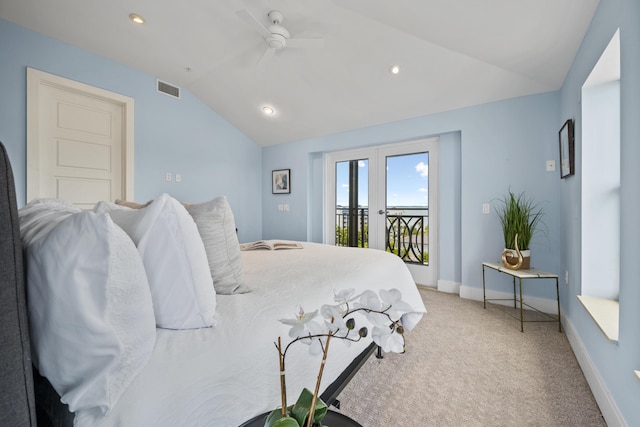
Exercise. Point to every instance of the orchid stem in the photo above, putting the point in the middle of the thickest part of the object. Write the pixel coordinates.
(317, 389)
(283, 386)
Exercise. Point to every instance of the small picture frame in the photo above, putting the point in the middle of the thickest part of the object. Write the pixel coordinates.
(281, 181)
(567, 167)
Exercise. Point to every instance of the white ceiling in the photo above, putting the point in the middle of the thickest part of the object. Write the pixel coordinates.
(452, 54)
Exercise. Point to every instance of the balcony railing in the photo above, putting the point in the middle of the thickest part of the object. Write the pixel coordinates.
(406, 231)
(361, 217)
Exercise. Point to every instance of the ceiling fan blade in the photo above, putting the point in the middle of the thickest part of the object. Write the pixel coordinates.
(250, 19)
(305, 43)
(266, 56)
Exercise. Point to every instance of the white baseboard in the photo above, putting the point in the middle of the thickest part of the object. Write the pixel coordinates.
(449, 286)
(545, 305)
(607, 405)
(468, 292)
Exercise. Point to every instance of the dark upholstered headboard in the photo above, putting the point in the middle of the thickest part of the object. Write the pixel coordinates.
(17, 401)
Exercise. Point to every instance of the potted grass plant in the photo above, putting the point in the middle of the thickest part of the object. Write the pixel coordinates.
(519, 216)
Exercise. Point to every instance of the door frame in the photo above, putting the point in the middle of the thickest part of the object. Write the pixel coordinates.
(36, 79)
(427, 144)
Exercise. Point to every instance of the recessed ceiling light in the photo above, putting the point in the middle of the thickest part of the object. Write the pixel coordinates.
(136, 18)
(394, 69)
(269, 111)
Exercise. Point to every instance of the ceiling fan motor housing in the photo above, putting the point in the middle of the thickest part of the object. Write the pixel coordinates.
(279, 36)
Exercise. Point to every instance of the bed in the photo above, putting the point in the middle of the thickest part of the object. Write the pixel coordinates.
(17, 401)
(221, 373)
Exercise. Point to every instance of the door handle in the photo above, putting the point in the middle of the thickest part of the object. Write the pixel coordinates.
(382, 212)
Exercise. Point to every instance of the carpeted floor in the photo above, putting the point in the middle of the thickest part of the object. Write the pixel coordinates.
(467, 366)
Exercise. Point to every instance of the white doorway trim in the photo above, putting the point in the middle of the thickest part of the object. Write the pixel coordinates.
(35, 80)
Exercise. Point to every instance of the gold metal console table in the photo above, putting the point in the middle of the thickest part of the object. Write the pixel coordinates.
(522, 274)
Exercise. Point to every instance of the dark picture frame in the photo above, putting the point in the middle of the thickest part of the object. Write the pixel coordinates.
(281, 181)
(565, 138)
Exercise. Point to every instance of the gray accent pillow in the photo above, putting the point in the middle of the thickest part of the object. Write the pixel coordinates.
(218, 232)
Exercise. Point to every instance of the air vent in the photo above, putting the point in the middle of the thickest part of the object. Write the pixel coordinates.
(167, 89)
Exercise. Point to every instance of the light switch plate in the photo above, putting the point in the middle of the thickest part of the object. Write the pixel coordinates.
(551, 165)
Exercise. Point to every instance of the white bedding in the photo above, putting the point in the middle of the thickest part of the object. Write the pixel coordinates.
(225, 375)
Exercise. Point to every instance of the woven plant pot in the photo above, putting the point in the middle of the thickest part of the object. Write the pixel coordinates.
(512, 259)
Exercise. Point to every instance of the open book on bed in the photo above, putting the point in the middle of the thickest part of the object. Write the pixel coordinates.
(269, 244)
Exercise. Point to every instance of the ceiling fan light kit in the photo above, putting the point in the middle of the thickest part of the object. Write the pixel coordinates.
(276, 41)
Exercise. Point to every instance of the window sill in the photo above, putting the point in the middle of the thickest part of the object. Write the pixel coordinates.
(605, 313)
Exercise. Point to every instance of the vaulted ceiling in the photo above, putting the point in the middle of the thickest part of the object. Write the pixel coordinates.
(451, 54)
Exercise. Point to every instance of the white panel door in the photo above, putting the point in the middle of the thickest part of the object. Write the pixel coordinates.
(78, 142)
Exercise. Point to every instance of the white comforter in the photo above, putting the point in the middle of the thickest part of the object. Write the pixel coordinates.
(225, 375)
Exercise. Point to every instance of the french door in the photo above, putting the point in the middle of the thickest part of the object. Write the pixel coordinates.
(386, 198)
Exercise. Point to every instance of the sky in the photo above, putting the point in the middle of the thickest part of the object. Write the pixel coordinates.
(407, 181)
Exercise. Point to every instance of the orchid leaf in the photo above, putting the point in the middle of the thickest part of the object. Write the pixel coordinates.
(300, 410)
(286, 422)
(275, 419)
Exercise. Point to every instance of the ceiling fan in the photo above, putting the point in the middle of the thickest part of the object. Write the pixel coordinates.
(275, 35)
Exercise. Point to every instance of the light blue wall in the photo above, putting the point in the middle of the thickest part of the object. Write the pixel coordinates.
(614, 362)
(484, 151)
(505, 144)
(179, 136)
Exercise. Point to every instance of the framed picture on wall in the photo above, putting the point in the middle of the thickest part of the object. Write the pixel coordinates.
(281, 181)
(567, 167)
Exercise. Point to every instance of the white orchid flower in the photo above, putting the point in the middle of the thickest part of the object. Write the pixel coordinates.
(388, 339)
(315, 344)
(315, 347)
(334, 320)
(350, 335)
(343, 296)
(393, 299)
(385, 333)
(369, 300)
(300, 323)
(379, 320)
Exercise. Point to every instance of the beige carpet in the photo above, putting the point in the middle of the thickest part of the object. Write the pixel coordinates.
(467, 366)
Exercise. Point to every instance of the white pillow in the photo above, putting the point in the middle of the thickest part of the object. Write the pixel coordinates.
(107, 207)
(218, 232)
(175, 260)
(39, 216)
(90, 311)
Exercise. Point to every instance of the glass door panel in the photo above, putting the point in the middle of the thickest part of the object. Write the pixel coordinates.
(352, 203)
(407, 207)
(408, 192)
